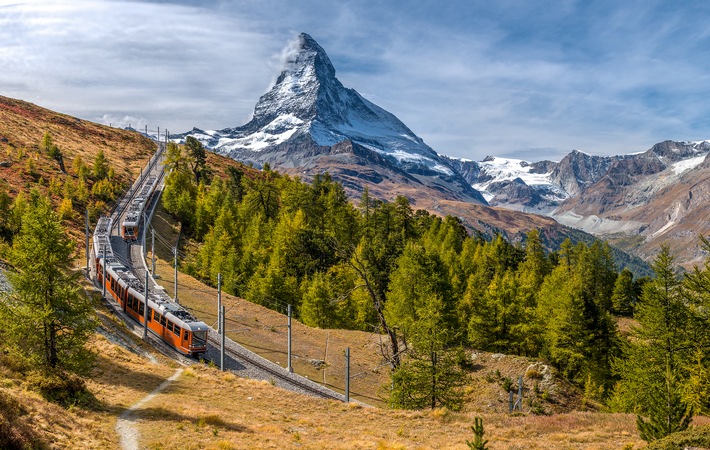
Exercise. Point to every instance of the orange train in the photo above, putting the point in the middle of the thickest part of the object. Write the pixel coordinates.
(167, 319)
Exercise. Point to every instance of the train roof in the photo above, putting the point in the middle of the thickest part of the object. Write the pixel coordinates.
(135, 208)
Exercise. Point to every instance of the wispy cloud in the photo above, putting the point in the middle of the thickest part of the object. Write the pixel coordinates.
(511, 77)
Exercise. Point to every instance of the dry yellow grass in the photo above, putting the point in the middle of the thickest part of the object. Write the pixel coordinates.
(205, 408)
(208, 409)
(122, 377)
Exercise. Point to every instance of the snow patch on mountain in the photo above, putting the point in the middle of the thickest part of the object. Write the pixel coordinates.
(687, 164)
(495, 170)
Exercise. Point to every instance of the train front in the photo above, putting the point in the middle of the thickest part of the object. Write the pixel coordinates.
(197, 344)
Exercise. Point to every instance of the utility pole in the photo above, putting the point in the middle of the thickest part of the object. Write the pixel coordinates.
(347, 375)
(176, 283)
(146, 131)
(145, 227)
(222, 336)
(289, 367)
(219, 302)
(145, 309)
(87, 242)
(103, 278)
(152, 247)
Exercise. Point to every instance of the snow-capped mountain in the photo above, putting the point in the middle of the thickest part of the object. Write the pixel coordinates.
(658, 195)
(308, 113)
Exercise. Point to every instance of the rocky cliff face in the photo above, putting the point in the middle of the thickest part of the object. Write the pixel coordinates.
(644, 200)
(579, 170)
(308, 112)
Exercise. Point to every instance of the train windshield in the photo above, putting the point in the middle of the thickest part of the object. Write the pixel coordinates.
(199, 338)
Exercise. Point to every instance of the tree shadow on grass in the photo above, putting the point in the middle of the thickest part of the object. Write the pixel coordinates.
(160, 413)
(116, 374)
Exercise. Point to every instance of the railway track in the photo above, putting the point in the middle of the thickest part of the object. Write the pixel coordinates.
(238, 359)
(236, 355)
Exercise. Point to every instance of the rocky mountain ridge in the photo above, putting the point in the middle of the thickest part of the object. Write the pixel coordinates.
(638, 200)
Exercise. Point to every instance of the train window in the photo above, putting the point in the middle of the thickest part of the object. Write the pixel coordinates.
(150, 315)
(176, 330)
(186, 336)
(170, 326)
(162, 321)
(199, 338)
(141, 309)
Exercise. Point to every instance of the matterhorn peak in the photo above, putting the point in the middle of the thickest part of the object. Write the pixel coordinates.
(309, 106)
(308, 100)
(305, 53)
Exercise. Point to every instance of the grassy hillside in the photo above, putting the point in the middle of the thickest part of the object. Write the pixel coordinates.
(23, 165)
(205, 408)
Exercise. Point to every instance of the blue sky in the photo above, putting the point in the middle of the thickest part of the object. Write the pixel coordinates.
(526, 79)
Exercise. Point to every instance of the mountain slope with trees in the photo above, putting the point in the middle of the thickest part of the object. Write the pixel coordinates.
(387, 268)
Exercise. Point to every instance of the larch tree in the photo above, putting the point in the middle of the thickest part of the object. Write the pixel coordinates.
(623, 298)
(101, 166)
(653, 367)
(697, 295)
(47, 317)
(198, 157)
(420, 304)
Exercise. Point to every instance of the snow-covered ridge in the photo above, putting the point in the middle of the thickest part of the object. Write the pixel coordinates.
(502, 169)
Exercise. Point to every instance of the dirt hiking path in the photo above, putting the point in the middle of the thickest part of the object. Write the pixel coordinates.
(125, 426)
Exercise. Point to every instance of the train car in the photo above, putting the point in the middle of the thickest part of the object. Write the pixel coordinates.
(129, 228)
(134, 212)
(170, 321)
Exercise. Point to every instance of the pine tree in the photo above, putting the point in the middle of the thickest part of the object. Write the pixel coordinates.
(100, 168)
(624, 296)
(653, 368)
(478, 442)
(47, 318)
